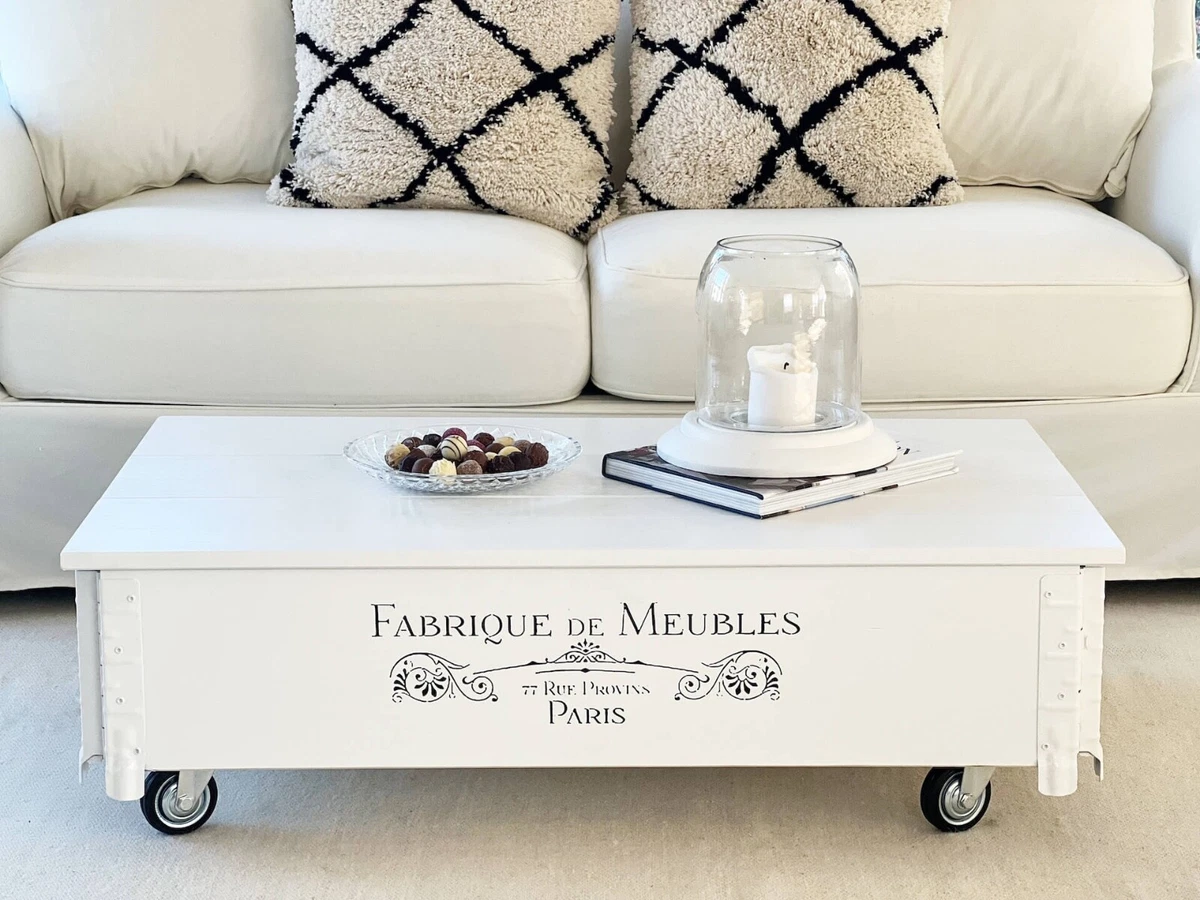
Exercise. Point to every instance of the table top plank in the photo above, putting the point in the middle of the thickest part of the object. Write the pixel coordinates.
(275, 492)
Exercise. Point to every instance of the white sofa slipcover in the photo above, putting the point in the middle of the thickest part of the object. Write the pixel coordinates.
(1014, 294)
(121, 95)
(1162, 200)
(1135, 456)
(1174, 32)
(1022, 73)
(23, 207)
(207, 294)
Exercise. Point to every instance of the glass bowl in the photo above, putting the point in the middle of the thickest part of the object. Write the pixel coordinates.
(367, 453)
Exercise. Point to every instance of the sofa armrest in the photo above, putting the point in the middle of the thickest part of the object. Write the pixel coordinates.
(1162, 199)
(23, 206)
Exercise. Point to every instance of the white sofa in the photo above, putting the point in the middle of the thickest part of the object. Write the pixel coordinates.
(201, 297)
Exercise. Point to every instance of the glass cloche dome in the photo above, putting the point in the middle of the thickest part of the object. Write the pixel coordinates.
(778, 382)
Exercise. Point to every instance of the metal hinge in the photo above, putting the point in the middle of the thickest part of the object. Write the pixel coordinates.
(1092, 667)
(123, 698)
(91, 696)
(1060, 683)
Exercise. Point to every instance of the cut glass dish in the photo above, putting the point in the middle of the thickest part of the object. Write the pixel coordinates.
(367, 453)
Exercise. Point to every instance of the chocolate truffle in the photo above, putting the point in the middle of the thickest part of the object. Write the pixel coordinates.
(476, 444)
(508, 451)
(469, 467)
(450, 432)
(428, 449)
(505, 441)
(411, 443)
(523, 445)
(422, 466)
(490, 455)
(453, 448)
(493, 447)
(484, 438)
(409, 463)
(478, 456)
(443, 467)
(396, 454)
(432, 438)
(538, 455)
(499, 465)
(520, 461)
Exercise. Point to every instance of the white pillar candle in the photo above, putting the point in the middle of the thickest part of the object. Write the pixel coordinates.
(782, 393)
(783, 382)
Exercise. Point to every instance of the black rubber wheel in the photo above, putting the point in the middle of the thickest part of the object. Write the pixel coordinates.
(940, 801)
(161, 809)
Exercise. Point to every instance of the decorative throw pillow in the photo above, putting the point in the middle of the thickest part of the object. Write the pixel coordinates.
(500, 105)
(787, 103)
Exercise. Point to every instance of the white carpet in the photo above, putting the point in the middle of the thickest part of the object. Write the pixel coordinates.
(622, 834)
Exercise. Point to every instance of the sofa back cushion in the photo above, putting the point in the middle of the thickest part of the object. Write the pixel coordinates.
(128, 94)
(1048, 94)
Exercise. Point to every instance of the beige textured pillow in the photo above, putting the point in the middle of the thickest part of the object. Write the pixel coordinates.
(787, 103)
(502, 105)
(122, 95)
(1048, 94)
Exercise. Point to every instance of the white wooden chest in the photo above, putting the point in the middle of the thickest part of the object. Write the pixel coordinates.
(249, 600)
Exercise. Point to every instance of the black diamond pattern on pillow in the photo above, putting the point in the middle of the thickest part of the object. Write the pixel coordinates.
(420, 162)
(791, 152)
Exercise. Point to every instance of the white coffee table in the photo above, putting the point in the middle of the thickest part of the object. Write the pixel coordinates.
(248, 599)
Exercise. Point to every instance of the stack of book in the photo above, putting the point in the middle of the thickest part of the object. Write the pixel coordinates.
(762, 498)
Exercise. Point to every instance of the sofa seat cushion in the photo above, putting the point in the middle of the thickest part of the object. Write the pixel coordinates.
(207, 294)
(1014, 294)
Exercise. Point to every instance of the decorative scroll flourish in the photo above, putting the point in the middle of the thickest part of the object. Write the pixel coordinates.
(585, 652)
(580, 657)
(745, 675)
(426, 677)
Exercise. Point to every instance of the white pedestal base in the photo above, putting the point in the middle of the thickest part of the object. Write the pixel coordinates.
(695, 445)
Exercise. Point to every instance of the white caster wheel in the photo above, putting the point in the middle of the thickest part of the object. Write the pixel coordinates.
(946, 806)
(165, 810)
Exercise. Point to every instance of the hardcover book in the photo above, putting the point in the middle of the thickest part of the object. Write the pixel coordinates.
(762, 498)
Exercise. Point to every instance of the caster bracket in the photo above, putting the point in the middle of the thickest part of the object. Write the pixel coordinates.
(191, 783)
(974, 782)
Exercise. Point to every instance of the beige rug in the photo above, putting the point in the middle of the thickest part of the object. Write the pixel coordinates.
(616, 834)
